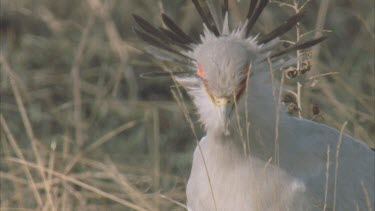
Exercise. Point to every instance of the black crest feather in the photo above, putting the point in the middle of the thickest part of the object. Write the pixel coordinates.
(255, 13)
(283, 28)
(155, 42)
(162, 38)
(175, 29)
(206, 17)
(299, 46)
(172, 39)
(226, 7)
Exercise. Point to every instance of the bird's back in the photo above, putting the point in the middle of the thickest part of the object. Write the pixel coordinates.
(350, 168)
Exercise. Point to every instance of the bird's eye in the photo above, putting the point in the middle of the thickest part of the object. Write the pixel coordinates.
(200, 70)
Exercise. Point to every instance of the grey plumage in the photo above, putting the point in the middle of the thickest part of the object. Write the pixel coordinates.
(238, 165)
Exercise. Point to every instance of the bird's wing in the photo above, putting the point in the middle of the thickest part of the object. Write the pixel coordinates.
(354, 160)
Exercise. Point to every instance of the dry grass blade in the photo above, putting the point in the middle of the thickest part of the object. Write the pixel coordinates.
(8, 71)
(321, 75)
(337, 163)
(156, 149)
(16, 209)
(77, 99)
(174, 201)
(13, 178)
(17, 95)
(359, 96)
(277, 124)
(276, 141)
(111, 134)
(123, 181)
(119, 46)
(367, 197)
(277, 99)
(327, 178)
(322, 15)
(179, 98)
(6, 151)
(244, 143)
(20, 155)
(106, 137)
(81, 184)
(51, 165)
(27, 124)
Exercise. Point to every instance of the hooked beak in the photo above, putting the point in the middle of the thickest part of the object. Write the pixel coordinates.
(224, 108)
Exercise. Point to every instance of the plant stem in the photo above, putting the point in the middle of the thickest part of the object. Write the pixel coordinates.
(299, 84)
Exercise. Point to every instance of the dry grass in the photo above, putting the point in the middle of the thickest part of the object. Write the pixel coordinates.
(81, 131)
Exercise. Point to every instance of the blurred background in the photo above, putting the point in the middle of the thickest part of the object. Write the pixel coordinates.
(81, 130)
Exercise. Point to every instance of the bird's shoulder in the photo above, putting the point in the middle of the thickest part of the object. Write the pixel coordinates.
(321, 134)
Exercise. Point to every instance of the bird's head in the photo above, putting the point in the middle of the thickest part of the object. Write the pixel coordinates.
(223, 59)
(223, 65)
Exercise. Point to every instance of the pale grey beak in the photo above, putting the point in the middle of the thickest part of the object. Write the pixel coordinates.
(224, 109)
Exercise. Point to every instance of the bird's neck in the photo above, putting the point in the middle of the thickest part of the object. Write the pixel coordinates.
(252, 124)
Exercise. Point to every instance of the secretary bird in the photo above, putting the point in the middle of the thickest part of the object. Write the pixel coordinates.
(254, 155)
